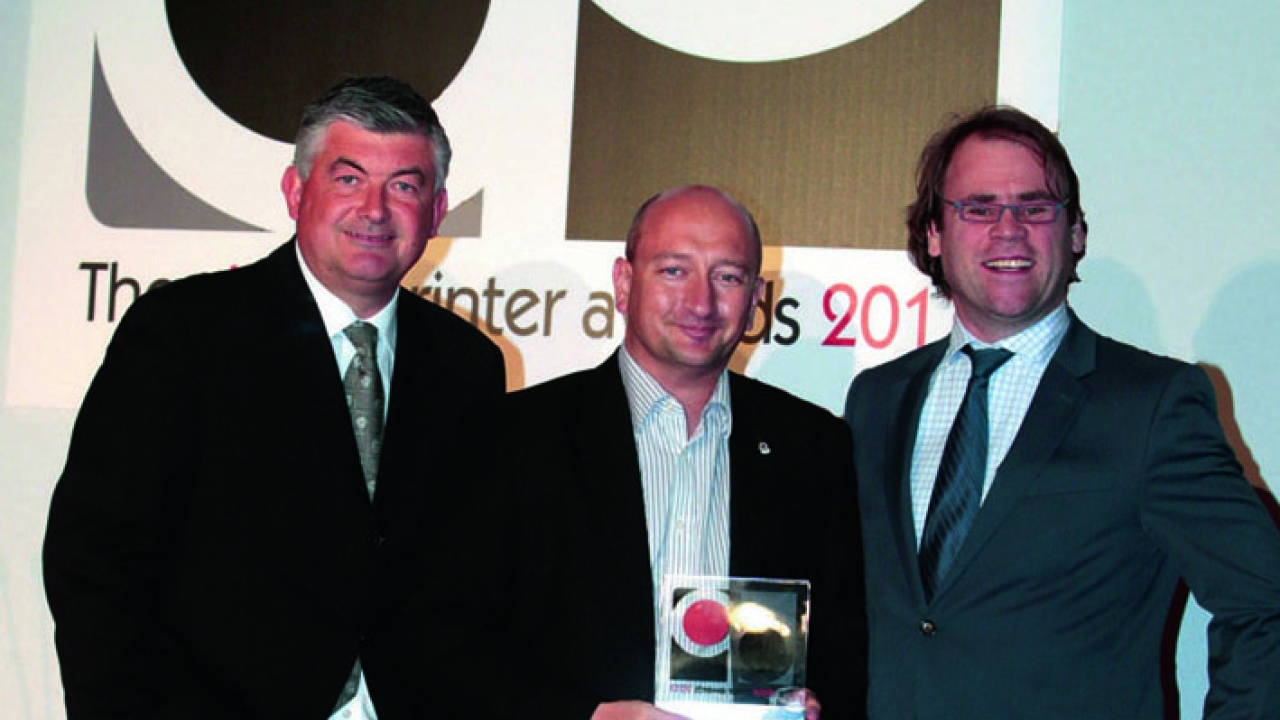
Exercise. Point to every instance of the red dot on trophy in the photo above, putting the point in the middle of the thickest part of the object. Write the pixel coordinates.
(706, 622)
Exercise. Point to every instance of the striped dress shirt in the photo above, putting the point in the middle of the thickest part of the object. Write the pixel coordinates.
(685, 479)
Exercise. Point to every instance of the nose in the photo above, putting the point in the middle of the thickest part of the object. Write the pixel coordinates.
(701, 296)
(373, 207)
(1007, 223)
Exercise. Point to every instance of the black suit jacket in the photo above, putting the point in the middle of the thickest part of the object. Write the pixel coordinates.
(1118, 482)
(211, 550)
(564, 597)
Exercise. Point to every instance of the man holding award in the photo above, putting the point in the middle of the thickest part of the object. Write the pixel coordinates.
(605, 485)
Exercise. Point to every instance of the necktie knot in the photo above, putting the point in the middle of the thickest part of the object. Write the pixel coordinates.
(364, 336)
(985, 362)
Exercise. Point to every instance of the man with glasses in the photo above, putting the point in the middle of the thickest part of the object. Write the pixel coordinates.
(1031, 492)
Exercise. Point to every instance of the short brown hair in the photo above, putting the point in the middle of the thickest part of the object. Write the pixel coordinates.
(992, 123)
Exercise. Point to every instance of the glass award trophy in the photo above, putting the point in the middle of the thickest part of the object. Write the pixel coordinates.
(732, 648)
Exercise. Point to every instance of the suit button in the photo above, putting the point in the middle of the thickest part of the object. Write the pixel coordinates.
(927, 628)
(379, 541)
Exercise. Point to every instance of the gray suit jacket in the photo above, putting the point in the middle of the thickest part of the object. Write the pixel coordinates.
(1118, 483)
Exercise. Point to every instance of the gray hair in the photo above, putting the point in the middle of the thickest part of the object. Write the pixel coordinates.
(377, 104)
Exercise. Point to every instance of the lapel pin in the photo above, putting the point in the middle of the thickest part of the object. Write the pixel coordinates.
(764, 448)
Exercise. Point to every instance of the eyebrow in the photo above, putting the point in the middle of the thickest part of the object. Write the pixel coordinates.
(715, 264)
(665, 256)
(743, 266)
(1028, 195)
(348, 162)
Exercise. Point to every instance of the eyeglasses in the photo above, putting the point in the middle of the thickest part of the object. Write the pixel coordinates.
(1036, 212)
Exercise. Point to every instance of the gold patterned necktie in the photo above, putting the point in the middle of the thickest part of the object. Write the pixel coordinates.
(364, 398)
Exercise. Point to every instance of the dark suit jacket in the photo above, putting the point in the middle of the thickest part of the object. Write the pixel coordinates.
(211, 549)
(566, 587)
(1118, 482)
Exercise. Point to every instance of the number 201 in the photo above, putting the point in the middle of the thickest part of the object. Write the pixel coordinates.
(919, 301)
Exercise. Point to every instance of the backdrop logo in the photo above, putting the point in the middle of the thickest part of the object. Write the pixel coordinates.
(814, 130)
(290, 64)
(174, 122)
(126, 188)
(822, 147)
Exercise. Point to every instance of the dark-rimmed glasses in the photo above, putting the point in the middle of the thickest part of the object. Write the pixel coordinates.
(1034, 212)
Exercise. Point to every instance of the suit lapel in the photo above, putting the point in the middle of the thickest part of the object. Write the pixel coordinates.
(607, 474)
(607, 459)
(605, 440)
(1057, 401)
(905, 398)
(309, 379)
(755, 489)
(415, 369)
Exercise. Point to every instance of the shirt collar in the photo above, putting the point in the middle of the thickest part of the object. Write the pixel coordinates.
(1037, 343)
(337, 316)
(647, 398)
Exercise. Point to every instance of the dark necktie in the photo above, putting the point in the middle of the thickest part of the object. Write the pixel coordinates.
(364, 398)
(957, 493)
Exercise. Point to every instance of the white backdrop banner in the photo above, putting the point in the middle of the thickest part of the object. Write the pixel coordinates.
(131, 175)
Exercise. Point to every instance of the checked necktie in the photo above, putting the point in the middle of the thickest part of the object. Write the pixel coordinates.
(957, 493)
(364, 398)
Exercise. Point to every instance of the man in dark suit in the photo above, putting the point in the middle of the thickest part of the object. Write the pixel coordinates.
(1043, 588)
(228, 535)
(657, 461)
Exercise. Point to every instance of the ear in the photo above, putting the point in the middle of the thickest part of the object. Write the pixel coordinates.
(291, 185)
(439, 208)
(935, 240)
(621, 284)
(1079, 238)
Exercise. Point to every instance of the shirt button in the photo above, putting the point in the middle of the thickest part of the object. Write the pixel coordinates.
(927, 628)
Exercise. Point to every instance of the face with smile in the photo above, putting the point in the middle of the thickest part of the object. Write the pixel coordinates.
(1004, 276)
(690, 289)
(365, 212)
